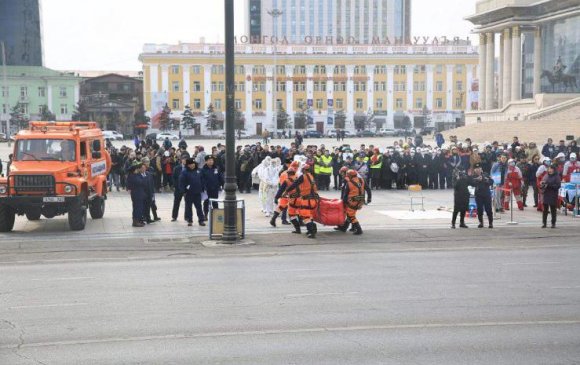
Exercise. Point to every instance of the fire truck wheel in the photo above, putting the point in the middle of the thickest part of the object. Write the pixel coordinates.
(7, 216)
(97, 208)
(77, 217)
(33, 216)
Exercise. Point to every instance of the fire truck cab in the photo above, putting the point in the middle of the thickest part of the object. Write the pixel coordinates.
(58, 168)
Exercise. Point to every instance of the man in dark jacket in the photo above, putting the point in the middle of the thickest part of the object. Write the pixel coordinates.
(191, 183)
(150, 205)
(246, 165)
(214, 183)
(178, 193)
(136, 186)
(550, 185)
(482, 182)
(461, 198)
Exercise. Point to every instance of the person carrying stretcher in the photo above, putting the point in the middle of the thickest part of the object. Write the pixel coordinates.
(303, 194)
(353, 197)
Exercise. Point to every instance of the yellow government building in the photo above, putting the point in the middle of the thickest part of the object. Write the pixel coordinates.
(379, 86)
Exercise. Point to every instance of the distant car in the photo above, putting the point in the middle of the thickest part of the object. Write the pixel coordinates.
(2, 137)
(426, 130)
(171, 136)
(366, 134)
(331, 133)
(242, 135)
(406, 132)
(312, 134)
(384, 132)
(113, 135)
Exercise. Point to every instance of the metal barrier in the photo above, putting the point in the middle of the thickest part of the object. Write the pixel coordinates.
(216, 219)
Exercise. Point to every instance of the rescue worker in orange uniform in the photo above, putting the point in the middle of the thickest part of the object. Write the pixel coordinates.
(304, 197)
(353, 197)
(281, 199)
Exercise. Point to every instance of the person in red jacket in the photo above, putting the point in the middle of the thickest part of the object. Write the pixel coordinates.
(281, 199)
(513, 183)
(303, 195)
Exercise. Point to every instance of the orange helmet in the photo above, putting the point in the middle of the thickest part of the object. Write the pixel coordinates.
(295, 164)
(291, 171)
(343, 170)
(352, 173)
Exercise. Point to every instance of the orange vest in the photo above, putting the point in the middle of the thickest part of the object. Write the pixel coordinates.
(356, 193)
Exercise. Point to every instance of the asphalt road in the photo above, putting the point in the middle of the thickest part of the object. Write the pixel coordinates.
(440, 299)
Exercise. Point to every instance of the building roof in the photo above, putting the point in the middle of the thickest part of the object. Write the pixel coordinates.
(115, 75)
(36, 71)
(99, 73)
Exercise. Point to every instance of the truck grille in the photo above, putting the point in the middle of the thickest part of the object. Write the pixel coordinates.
(34, 184)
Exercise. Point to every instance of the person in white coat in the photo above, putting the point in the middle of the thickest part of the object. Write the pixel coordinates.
(257, 173)
(269, 177)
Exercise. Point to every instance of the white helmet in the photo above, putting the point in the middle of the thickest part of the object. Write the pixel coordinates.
(573, 156)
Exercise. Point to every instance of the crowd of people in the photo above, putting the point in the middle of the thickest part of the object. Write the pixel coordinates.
(196, 177)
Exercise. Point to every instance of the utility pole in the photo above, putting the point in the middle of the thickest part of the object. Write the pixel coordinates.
(275, 13)
(5, 84)
(230, 203)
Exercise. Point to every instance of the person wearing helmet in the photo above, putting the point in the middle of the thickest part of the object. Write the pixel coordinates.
(570, 167)
(353, 197)
(513, 183)
(282, 198)
(304, 197)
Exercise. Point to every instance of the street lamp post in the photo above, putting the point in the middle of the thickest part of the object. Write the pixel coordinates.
(5, 84)
(230, 204)
(275, 13)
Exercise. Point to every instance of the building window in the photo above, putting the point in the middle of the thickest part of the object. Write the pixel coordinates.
(459, 85)
(23, 92)
(240, 86)
(239, 70)
(300, 70)
(419, 103)
(259, 70)
(63, 109)
(399, 103)
(281, 70)
(339, 104)
(197, 104)
(62, 92)
(318, 104)
(300, 86)
(259, 86)
(238, 104)
(360, 86)
(5, 92)
(196, 86)
(379, 104)
(339, 70)
(40, 109)
(439, 86)
(400, 69)
(175, 86)
(339, 86)
(360, 70)
(279, 104)
(196, 69)
(299, 103)
(359, 103)
(458, 103)
(175, 69)
(4, 108)
(400, 86)
(380, 70)
(25, 108)
(419, 69)
(218, 104)
(280, 86)
(459, 69)
(439, 69)
(439, 103)
(217, 69)
(419, 86)
(320, 86)
(258, 104)
(320, 69)
(175, 104)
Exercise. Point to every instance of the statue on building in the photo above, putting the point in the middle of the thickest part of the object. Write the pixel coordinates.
(559, 68)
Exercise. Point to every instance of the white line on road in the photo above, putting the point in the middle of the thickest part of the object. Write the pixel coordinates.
(62, 279)
(48, 305)
(385, 327)
(318, 294)
(565, 287)
(532, 263)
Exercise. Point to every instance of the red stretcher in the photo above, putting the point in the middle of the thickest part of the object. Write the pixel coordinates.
(330, 212)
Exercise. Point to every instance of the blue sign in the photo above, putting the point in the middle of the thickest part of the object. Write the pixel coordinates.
(330, 121)
(330, 102)
(310, 102)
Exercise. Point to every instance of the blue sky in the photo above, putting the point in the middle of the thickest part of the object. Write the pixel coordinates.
(109, 34)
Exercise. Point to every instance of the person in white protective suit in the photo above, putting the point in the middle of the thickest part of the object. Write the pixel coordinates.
(256, 173)
(269, 181)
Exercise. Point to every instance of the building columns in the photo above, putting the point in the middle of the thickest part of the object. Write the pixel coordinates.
(489, 71)
(290, 91)
(500, 103)
(516, 64)
(350, 94)
(186, 85)
(482, 70)
(410, 91)
(206, 85)
(165, 78)
(469, 69)
(449, 82)
(429, 101)
(370, 87)
(249, 96)
(390, 97)
(507, 67)
(537, 61)
(270, 94)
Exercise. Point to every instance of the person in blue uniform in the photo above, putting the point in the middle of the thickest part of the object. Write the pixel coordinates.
(214, 182)
(137, 186)
(191, 183)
